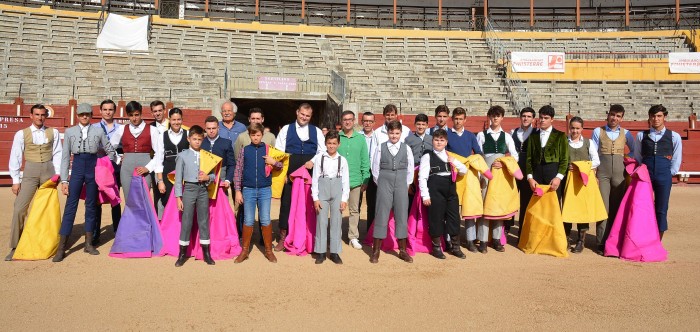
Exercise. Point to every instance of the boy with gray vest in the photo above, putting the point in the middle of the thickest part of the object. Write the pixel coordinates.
(191, 193)
(611, 140)
(390, 169)
(330, 189)
(40, 147)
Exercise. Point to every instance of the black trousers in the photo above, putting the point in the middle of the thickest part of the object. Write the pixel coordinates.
(295, 161)
(581, 227)
(371, 197)
(443, 214)
(544, 173)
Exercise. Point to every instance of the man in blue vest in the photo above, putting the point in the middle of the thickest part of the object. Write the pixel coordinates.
(660, 149)
(302, 141)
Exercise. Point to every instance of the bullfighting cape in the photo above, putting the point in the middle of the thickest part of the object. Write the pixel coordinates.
(40, 236)
(634, 234)
(502, 197)
(469, 187)
(302, 215)
(138, 235)
(583, 202)
(208, 163)
(543, 229)
(222, 230)
(278, 175)
(107, 189)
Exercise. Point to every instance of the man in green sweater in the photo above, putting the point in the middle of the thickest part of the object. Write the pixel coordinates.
(354, 148)
(547, 154)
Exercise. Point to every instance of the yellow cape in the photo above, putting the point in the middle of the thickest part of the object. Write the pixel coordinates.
(468, 185)
(583, 203)
(40, 236)
(502, 197)
(543, 229)
(278, 175)
(208, 162)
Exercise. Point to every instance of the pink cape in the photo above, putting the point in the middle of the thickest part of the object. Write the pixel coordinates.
(634, 234)
(302, 215)
(222, 230)
(107, 189)
(418, 236)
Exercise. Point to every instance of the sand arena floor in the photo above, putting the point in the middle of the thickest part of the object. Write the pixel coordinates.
(496, 291)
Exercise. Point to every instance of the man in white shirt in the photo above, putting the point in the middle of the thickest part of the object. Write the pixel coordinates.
(41, 149)
(302, 141)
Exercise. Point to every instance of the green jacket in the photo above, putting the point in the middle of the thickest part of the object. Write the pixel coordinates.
(556, 151)
(354, 149)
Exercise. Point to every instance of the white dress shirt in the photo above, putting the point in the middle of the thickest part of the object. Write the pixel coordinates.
(544, 136)
(330, 170)
(368, 140)
(380, 135)
(592, 150)
(480, 138)
(521, 134)
(116, 140)
(393, 149)
(424, 171)
(162, 126)
(303, 134)
(175, 138)
(38, 137)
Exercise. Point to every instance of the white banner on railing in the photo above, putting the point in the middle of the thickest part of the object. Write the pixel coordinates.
(684, 63)
(123, 33)
(537, 62)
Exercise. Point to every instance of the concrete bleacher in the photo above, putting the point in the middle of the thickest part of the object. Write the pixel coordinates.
(591, 100)
(642, 45)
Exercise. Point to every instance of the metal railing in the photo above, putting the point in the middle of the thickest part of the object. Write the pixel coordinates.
(516, 92)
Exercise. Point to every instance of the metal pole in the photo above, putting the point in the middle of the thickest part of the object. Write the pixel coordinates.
(206, 8)
(678, 12)
(486, 11)
(532, 13)
(627, 14)
(439, 13)
(348, 13)
(257, 10)
(303, 9)
(578, 14)
(394, 13)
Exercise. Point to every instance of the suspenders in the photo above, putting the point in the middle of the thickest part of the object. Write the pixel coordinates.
(324, 173)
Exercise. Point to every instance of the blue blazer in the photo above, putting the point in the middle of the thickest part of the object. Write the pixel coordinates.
(224, 149)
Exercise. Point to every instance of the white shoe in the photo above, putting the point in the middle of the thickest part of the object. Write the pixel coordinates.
(355, 244)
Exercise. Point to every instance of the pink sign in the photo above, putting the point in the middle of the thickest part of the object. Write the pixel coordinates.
(277, 83)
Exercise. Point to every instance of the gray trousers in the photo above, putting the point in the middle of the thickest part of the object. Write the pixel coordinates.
(330, 194)
(129, 162)
(611, 179)
(392, 193)
(35, 174)
(354, 208)
(194, 198)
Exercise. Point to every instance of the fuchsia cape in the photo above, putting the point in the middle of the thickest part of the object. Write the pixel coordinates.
(107, 190)
(418, 236)
(138, 235)
(222, 230)
(302, 215)
(634, 234)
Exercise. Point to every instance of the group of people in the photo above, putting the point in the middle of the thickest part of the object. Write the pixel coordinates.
(439, 175)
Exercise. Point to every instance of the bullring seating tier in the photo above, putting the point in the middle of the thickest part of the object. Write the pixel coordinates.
(51, 53)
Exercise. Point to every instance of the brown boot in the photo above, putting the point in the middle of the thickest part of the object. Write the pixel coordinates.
(267, 239)
(402, 252)
(88, 245)
(376, 249)
(61, 251)
(247, 235)
(280, 242)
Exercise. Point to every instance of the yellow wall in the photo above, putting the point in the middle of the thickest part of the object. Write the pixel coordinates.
(608, 70)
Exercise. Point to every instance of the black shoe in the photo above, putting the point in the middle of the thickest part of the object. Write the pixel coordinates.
(483, 248)
(471, 246)
(437, 251)
(182, 256)
(578, 248)
(335, 258)
(207, 255)
(95, 241)
(600, 250)
(320, 257)
(498, 246)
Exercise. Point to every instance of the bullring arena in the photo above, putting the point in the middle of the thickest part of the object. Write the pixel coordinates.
(339, 56)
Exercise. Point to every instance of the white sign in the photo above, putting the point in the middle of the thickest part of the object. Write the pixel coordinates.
(123, 33)
(537, 62)
(684, 63)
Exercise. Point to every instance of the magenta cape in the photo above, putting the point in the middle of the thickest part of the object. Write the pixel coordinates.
(138, 235)
(107, 189)
(302, 215)
(222, 230)
(418, 236)
(634, 234)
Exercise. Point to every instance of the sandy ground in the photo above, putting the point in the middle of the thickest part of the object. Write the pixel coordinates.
(504, 291)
